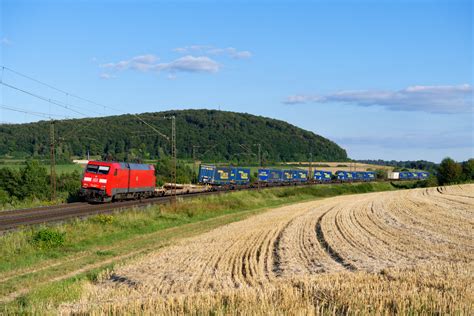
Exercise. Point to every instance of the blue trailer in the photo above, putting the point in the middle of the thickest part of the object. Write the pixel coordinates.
(358, 176)
(341, 175)
(287, 176)
(270, 175)
(423, 175)
(370, 176)
(210, 174)
(206, 174)
(318, 175)
(344, 176)
(327, 176)
(404, 175)
(299, 175)
(222, 176)
(240, 176)
(322, 176)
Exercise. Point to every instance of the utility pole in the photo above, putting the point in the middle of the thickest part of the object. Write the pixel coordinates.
(52, 162)
(259, 154)
(310, 166)
(195, 159)
(259, 162)
(174, 157)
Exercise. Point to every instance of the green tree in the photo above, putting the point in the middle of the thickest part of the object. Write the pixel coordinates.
(10, 182)
(163, 170)
(34, 180)
(221, 131)
(4, 196)
(381, 174)
(70, 183)
(449, 171)
(468, 170)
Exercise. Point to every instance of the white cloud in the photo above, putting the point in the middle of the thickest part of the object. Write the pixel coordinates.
(190, 64)
(301, 98)
(433, 99)
(144, 63)
(211, 50)
(242, 54)
(106, 76)
(140, 63)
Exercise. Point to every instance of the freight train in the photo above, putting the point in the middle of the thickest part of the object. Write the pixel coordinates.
(408, 175)
(112, 181)
(231, 177)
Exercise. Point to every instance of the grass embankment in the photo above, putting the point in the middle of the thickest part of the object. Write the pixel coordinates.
(40, 270)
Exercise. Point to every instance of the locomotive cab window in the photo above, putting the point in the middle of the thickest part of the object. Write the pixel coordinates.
(97, 169)
(103, 170)
(92, 168)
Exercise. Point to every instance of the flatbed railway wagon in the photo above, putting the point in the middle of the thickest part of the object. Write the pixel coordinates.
(107, 181)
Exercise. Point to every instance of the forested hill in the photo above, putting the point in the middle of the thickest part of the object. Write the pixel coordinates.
(217, 133)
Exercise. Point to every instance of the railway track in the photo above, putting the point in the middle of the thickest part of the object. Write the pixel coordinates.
(14, 219)
(10, 220)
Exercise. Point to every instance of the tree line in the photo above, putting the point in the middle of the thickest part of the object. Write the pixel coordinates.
(450, 171)
(207, 135)
(403, 165)
(32, 182)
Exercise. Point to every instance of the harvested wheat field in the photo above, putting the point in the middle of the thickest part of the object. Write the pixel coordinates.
(393, 252)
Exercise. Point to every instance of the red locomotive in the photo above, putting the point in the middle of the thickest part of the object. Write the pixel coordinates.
(107, 181)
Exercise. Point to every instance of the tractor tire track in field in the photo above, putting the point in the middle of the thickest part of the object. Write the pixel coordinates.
(330, 251)
(365, 232)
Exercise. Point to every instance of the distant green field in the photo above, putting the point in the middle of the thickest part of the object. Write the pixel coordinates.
(66, 168)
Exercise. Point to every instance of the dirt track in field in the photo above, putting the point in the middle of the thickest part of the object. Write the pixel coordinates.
(367, 232)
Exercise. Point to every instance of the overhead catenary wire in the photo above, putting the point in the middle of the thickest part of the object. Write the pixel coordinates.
(68, 94)
(52, 101)
(63, 91)
(34, 113)
(74, 96)
(68, 106)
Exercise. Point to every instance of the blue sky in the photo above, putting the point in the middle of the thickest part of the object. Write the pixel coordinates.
(384, 79)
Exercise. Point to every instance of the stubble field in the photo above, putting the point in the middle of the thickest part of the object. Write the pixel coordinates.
(392, 252)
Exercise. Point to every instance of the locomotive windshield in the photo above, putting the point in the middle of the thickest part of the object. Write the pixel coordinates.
(97, 169)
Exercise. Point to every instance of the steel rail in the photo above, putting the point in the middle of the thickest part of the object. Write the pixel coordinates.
(10, 220)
